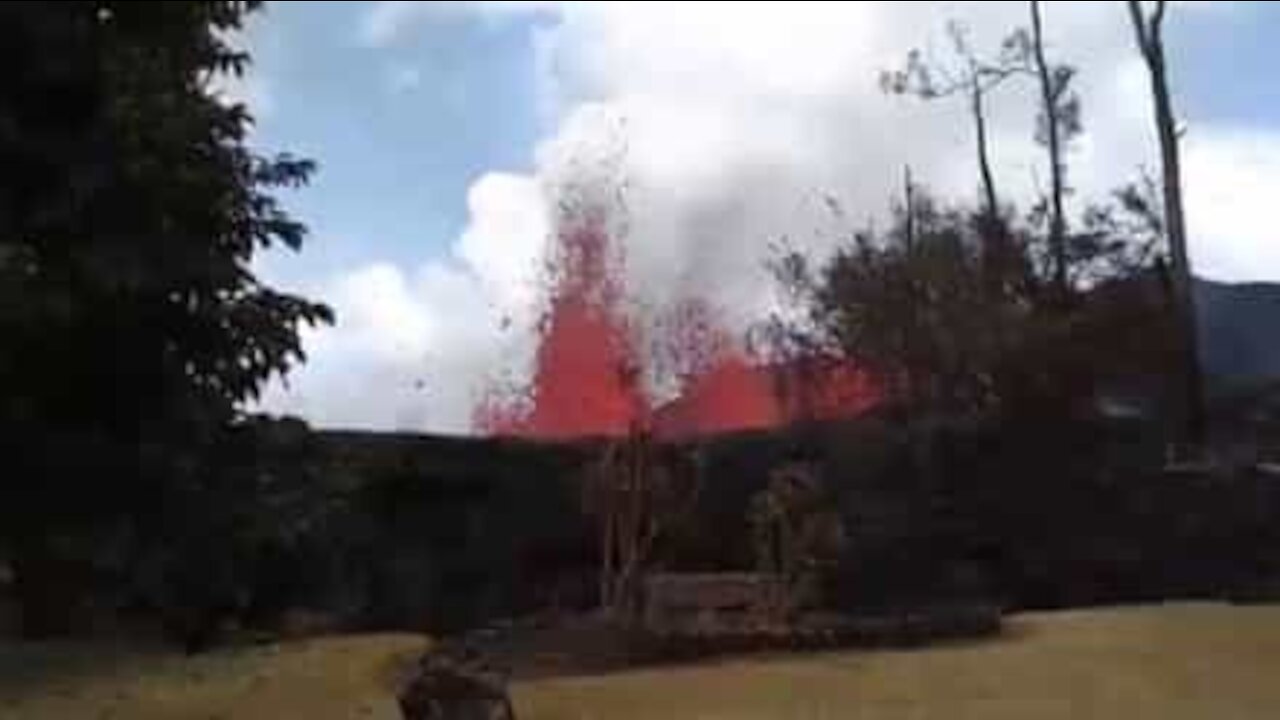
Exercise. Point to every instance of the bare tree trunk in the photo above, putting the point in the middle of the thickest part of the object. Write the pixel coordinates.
(607, 544)
(993, 235)
(909, 208)
(984, 162)
(913, 301)
(1057, 222)
(1147, 32)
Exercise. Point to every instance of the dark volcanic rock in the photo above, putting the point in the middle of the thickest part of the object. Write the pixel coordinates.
(448, 688)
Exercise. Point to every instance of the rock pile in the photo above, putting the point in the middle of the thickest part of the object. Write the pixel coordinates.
(454, 686)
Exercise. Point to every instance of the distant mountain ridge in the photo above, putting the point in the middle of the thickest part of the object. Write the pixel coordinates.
(1239, 333)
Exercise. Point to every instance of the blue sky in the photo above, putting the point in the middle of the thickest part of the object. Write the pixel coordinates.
(1223, 64)
(445, 131)
(400, 131)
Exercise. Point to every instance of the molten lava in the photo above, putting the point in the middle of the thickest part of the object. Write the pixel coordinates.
(586, 377)
(730, 395)
(588, 372)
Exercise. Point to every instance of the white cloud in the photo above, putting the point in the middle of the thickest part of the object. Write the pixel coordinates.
(506, 238)
(739, 122)
(735, 125)
(416, 350)
(409, 351)
(389, 21)
(386, 318)
(403, 78)
(1232, 177)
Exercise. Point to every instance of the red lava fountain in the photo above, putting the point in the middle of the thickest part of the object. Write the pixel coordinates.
(588, 375)
(722, 388)
(586, 378)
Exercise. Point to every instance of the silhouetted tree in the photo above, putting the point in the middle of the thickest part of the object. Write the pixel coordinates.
(1148, 29)
(1057, 122)
(906, 305)
(132, 324)
(969, 76)
(973, 78)
(910, 305)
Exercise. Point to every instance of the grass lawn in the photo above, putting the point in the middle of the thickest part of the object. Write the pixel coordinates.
(1168, 662)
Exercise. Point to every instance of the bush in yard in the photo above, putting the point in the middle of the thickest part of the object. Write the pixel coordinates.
(797, 535)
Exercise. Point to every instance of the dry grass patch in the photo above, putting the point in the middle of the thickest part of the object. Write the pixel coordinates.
(321, 679)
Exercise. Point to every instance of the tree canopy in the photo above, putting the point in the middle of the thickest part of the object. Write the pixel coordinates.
(132, 326)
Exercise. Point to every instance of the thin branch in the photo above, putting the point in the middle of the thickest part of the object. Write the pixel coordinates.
(953, 87)
(991, 76)
(1139, 25)
(1157, 18)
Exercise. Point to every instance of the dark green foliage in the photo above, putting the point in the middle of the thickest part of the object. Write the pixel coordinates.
(398, 532)
(1026, 513)
(439, 534)
(244, 540)
(130, 208)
